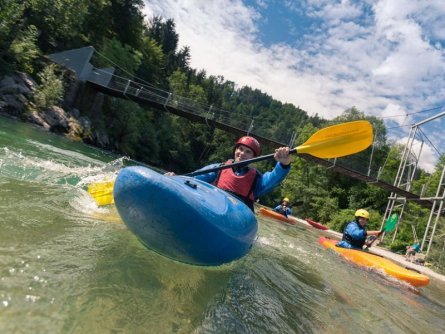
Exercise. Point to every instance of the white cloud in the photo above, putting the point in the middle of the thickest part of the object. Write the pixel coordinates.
(397, 114)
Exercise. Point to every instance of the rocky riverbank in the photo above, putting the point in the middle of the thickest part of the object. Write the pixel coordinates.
(17, 91)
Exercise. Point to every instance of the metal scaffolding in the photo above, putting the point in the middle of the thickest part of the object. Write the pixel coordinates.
(404, 178)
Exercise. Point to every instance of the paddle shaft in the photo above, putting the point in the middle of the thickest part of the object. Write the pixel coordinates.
(236, 164)
(370, 244)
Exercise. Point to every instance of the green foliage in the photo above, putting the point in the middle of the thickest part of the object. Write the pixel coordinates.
(340, 218)
(396, 246)
(50, 90)
(436, 256)
(151, 62)
(59, 22)
(325, 207)
(128, 21)
(24, 49)
(11, 16)
(164, 34)
(11, 12)
(93, 28)
(127, 126)
(113, 52)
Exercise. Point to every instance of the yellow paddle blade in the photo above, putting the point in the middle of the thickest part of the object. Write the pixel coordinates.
(338, 140)
(102, 192)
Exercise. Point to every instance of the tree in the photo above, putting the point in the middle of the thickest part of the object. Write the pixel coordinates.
(11, 17)
(50, 90)
(24, 49)
(58, 21)
(113, 53)
(128, 21)
(151, 62)
(163, 33)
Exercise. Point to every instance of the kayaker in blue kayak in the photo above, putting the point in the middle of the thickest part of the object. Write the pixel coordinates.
(354, 234)
(245, 182)
(284, 208)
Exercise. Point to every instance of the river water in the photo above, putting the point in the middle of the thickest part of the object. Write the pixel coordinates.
(67, 266)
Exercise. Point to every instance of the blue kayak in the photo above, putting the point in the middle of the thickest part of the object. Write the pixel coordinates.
(183, 218)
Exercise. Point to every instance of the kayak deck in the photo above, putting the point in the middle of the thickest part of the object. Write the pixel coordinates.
(369, 260)
(183, 218)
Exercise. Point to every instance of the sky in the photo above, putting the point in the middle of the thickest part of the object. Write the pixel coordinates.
(384, 57)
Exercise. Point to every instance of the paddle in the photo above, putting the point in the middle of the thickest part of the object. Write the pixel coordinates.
(331, 142)
(389, 226)
(102, 192)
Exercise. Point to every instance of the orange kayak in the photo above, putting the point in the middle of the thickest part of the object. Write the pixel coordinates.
(317, 225)
(275, 215)
(369, 260)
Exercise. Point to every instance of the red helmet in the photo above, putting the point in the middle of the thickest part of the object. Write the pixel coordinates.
(251, 143)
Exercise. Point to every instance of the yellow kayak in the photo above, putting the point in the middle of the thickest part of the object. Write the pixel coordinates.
(369, 260)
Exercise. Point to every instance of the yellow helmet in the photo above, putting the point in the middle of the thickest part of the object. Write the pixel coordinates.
(362, 213)
(285, 199)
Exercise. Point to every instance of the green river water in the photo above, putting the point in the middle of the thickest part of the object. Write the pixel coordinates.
(67, 266)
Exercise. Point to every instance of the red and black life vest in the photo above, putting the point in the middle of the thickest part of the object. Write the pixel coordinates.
(239, 185)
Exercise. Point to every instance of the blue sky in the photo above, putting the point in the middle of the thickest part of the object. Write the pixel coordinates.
(385, 57)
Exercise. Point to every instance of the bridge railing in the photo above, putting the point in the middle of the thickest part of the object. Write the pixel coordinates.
(167, 99)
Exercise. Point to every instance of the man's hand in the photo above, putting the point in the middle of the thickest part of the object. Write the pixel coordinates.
(282, 155)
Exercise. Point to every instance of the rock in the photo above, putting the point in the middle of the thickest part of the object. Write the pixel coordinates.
(26, 79)
(14, 105)
(15, 89)
(16, 100)
(57, 119)
(36, 118)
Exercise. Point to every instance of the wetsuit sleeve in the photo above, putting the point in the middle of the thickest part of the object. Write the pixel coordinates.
(270, 180)
(208, 177)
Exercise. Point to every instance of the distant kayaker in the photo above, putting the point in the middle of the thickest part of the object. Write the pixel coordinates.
(245, 182)
(284, 207)
(354, 234)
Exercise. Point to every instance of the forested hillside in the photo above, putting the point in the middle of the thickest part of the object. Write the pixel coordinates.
(146, 49)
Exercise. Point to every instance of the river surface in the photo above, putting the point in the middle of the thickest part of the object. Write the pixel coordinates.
(67, 266)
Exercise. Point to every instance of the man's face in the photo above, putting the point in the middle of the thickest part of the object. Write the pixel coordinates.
(243, 153)
(362, 221)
